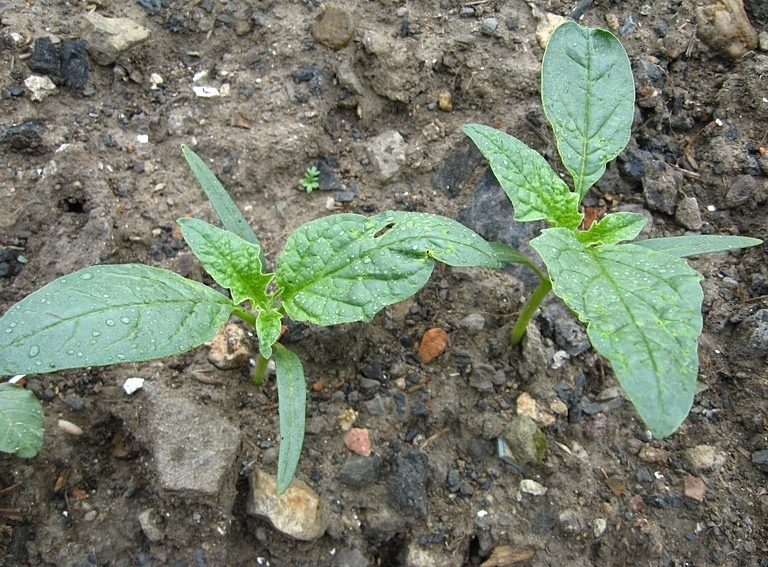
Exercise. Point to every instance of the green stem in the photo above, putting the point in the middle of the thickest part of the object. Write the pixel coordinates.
(245, 315)
(260, 372)
(518, 331)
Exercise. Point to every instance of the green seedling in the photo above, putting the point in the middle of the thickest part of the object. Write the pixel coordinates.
(336, 269)
(310, 180)
(641, 301)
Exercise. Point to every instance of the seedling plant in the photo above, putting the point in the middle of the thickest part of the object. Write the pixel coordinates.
(337, 269)
(640, 300)
(310, 181)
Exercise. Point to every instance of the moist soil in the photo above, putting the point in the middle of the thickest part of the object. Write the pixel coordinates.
(93, 174)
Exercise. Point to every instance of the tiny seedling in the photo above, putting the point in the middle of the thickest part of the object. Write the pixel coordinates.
(336, 269)
(641, 301)
(310, 180)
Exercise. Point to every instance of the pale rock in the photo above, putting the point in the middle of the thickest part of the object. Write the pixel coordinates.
(229, 349)
(40, 86)
(546, 24)
(387, 154)
(528, 407)
(532, 487)
(688, 213)
(297, 513)
(148, 526)
(109, 37)
(723, 25)
(704, 457)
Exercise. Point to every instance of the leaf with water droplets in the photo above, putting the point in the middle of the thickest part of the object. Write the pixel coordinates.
(292, 399)
(21, 421)
(108, 314)
(643, 313)
(347, 267)
(589, 98)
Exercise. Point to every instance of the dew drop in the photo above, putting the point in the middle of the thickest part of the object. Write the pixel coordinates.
(110, 322)
(86, 277)
(121, 356)
(96, 334)
(34, 351)
(125, 320)
(80, 354)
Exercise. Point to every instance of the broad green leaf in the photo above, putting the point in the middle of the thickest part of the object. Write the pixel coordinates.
(683, 246)
(233, 262)
(347, 267)
(269, 323)
(226, 209)
(643, 313)
(536, 191)
(106, 315)
(589, 95)
(21, 421)
(292, 400)
(613, 228)
(509, 254)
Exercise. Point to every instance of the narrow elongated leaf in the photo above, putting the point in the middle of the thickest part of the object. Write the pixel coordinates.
(643, 313)
(233, 262)
(106, 315)
(292, 399)
(268, 327)
(683, 246)
(613, 228)
(536, 191)
(21, 421)
(509, 254)
(226, 209)
(347, 267)
(589, 95)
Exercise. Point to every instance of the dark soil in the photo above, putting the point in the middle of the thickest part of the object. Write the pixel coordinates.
(93, 174)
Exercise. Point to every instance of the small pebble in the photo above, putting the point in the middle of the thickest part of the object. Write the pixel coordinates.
(358, 440)
(489, 26)
(69, 427)
(532, 487)
(433, 344)
(132, 385)
(445, 101)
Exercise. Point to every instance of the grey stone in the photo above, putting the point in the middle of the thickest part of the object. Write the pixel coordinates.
(298, 512)
(661, 184)
(109, 37)
(348, 79)
(485, 376)
(360, 471)
(387, 154)
(688, 213)
(760, 460)
(408, 487)
(704, 457)
(194, 446)
(752, 335)
(24, 137)
(149, 527)
(742, 191)
(489, 26)
(473, 323)
(376, 406)
(525, 441)
(349, 558)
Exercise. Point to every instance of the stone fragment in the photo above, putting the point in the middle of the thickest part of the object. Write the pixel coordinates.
(528, 407)
(432, 345)
(348, 79)
(358, 441)
(408, 486)
(688, 213)
(333, 27)
(473, 323)
(489, 26)
(723, 25)
(760, 460)
(24, 137)
(229, 349)
(194, 446)
(532, 487)
(525, 441)
(148, 526)
(752, 336)
(742, 191)
(704, 457)
(661, 184)
(445, 101)
(546, 24)
(599, 526)
(387, 154)
(349, 558)
(40, 86)
(360, 471)
(419, 555)
(694, 487)
(108, 38)
(297, 513)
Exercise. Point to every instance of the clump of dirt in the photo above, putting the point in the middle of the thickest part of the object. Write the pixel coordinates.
(374, 94)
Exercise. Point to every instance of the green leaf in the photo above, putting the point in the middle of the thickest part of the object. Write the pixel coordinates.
(292, 399)
(347, 267)
(588, 94)
(106, 315)
(268, 326)
(233, 262)
(21, 421)
(536, 191)
(613, 228)
(643, 313)
(683, 246)
(509, 254)
(226, 209)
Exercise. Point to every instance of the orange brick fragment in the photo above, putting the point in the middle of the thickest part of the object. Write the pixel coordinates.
(432, 344)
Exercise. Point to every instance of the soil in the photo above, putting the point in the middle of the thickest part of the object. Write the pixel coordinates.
(96, 176)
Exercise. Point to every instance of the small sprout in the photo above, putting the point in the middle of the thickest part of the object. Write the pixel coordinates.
(310, 180)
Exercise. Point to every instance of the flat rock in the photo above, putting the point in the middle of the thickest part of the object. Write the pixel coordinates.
(704, 457)
(723, 25)
(194, 446)
(24, 137)
(360, 471)
(387, 154)
(661, 184)
(333, 27)
(109, 37)
(297, 513)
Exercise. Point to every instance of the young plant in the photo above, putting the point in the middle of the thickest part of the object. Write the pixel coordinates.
(641, 301)
(336, 269)
(310, 180)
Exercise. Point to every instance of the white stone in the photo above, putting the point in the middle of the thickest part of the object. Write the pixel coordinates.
(133, 385)
(532, 487)
(40, 86)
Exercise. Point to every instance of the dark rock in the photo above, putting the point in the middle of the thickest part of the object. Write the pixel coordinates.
(25, 137)
(752, 336)
(9, 263)
(75, 402)
(644, 475)
(408, 487)
(760, 460)
(360, 471)
(741, 192)
(327, 180)
(153, 6)
(632, 163)
(45, 58)
(560, 324)
(482, 377)
(544, 521)
(66, 64)
(457, 168)
(660, 187)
